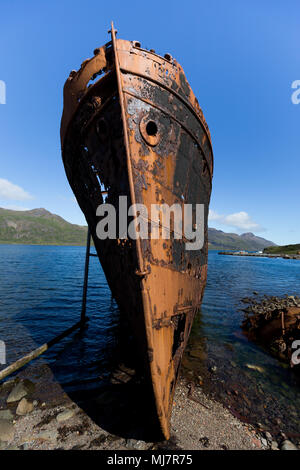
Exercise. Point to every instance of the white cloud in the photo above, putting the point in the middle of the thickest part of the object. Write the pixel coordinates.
(12, 192)
(213, 215)
(240, 220)
(14, 208)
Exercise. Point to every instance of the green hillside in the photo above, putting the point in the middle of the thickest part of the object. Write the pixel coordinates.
(39, 227)
(285, 249)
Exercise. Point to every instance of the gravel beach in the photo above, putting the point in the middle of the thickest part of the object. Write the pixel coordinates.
(39, 416)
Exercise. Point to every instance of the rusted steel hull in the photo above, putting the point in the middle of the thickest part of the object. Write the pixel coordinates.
(139, 132)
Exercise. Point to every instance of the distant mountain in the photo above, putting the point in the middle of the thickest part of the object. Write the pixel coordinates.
(218, 240)
(41, 227)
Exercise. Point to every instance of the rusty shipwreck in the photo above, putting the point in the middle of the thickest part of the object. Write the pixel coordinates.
(131, 126)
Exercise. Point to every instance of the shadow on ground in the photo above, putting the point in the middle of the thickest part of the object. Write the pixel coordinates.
(124, 407)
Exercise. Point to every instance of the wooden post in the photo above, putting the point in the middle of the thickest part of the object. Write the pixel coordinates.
(86, 275)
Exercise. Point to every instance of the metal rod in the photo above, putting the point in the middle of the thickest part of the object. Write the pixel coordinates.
(282, 323)
(37, 352)
(86, 275)
(40, 350)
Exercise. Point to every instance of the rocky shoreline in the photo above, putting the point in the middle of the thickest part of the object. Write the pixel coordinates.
(274, 323)
(33, 418)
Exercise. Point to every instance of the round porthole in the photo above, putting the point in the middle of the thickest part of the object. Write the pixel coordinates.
(150, 130)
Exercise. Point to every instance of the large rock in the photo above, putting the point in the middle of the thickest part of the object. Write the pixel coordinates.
(22, 389)
(6, 431)
(24, 407)
(288, 445)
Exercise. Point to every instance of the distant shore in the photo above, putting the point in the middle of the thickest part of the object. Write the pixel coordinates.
(41, 244)
(259, 255)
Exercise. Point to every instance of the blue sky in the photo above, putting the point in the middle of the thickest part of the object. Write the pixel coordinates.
(240, 58)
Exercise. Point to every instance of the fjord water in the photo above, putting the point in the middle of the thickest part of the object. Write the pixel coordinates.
(40, 296)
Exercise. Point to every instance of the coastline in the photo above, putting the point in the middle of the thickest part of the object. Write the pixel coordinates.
(249, 384)
(41, 244)
(259, 255)
(58, 422)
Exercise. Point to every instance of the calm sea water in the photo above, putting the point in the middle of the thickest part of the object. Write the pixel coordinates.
(40, 296)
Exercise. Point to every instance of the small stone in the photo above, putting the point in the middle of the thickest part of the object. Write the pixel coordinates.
(64, 415)
(27, 438)
(8, 384)
(7, 431)
(264, 442)
(288, 445)
(113, 438)
(6, 414)
(274, 445)
(20, 390)
(134, 444)
(256, 442)
(268, 436)
(98, 440)
(213, 369)
(48, 435)
(204, 441)
(255, 367)
(35, 403)
(24, 407)
(26, 446)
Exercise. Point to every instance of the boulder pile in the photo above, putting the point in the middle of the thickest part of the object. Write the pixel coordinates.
(274, 322)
